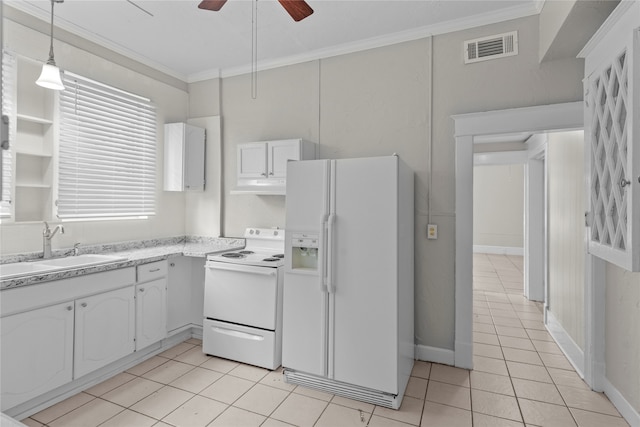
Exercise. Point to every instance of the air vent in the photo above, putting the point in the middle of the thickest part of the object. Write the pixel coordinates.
(491, 47)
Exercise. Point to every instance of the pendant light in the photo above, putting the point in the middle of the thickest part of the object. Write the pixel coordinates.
(50, 76)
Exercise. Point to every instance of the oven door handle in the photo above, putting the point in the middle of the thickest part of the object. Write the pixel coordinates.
(265, 271)
(238, 334)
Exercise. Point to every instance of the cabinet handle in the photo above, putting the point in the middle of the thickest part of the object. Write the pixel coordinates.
(271, 173)
(141, 290)
(263, 174)
(69, 308)
(84, 304)
(624, 182)
(154, 270)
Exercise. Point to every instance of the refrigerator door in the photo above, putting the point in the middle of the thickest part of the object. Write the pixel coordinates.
(304, 331)
(364, 297)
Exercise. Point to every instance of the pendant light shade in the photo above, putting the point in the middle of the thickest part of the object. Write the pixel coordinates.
(50, 76)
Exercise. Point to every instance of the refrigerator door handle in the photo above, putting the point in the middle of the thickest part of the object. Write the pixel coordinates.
(322, 253)
(329, 262)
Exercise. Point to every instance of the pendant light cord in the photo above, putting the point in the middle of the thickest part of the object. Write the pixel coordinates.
(51, 61)
(254, 50)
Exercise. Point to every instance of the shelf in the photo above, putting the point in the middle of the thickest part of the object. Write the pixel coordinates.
(34, 119)
(32, 185)
(33, 153)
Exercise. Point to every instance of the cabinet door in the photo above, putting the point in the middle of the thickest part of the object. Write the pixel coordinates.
(179, 294)
(151, 309)
(612, 126)
(280, 152)
(194, 158)
(252, 160)
(37, 352)
(105, 328)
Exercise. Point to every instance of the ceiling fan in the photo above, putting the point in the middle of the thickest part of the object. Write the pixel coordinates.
(298, 9)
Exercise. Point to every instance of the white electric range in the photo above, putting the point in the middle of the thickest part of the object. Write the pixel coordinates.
(243, 300)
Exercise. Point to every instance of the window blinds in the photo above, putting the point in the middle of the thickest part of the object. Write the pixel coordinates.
(8, 109)
(107, 152)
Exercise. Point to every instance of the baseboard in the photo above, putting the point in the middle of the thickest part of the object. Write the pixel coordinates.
(435, 354)
(463, 355)
(622, 405)
(568, 346)
(498, 250)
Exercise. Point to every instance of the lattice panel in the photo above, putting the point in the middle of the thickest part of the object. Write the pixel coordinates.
(608, 99)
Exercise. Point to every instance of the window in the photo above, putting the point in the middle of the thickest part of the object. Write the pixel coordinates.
(8, 107)
(107, 152)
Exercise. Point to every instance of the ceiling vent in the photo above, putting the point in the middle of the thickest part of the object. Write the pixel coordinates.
(491, 47)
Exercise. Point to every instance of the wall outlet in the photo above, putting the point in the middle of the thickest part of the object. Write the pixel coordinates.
(432, 231)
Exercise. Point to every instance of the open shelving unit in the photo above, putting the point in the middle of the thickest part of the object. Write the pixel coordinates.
(33, 146)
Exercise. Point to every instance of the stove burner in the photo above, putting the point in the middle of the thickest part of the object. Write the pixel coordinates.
(233, 255)
(281, 256)
(246, 252)
(270, 259)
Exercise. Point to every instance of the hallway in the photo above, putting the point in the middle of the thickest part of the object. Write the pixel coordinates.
(516, 357)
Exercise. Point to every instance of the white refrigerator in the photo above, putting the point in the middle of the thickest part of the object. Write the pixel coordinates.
(348, 285)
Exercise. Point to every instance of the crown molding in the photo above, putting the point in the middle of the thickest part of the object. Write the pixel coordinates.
(506, 14)
(488, 18)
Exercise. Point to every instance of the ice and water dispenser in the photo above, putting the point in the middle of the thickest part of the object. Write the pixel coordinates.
(304, 251)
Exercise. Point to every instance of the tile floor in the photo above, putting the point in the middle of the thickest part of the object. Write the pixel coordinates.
(520, 377)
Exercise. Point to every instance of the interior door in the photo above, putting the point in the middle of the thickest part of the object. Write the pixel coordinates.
(364, 337)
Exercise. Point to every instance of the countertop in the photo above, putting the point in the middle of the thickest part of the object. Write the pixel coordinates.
(135, 253)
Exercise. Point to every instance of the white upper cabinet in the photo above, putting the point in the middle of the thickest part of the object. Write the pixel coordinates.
(612, 137)
(262, 166)
(184, 157)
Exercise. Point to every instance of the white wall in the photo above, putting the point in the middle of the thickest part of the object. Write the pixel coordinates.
(516, 81)
(378, 102)
(566, 204)
(622, 333)
(498, 206)
(172, 105)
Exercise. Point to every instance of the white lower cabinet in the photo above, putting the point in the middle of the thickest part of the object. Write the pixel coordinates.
(104, 330)
(151, 303)
(151, 312)
(37, 352)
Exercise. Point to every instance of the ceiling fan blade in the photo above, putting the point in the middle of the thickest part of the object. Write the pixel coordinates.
(212, 4)
(298, 9)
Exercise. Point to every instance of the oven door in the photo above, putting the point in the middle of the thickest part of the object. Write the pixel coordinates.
(241, 294)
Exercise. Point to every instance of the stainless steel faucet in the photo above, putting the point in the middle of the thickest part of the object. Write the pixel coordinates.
(47, 235)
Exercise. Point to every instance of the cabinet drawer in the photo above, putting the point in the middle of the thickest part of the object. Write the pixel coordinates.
(151, 271)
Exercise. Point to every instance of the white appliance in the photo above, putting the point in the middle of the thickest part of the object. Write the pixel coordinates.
(243, 301)
(348, 282)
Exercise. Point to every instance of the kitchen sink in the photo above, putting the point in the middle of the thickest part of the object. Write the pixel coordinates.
(80, 260)
(20, 269)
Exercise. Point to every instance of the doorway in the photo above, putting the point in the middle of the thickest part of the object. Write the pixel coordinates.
(468, 129)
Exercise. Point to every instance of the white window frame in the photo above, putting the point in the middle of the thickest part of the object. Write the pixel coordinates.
(106, 152)
(9, 67)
